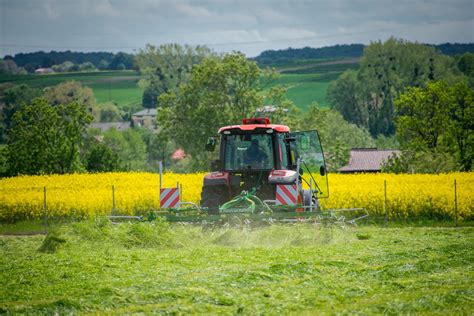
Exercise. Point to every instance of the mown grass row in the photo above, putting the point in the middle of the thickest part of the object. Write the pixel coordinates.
(99, 267)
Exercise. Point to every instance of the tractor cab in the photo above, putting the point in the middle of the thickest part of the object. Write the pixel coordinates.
(261, 156)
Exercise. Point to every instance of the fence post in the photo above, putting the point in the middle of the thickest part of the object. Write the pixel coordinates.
(113, 199)
(161, 175)
(385, 201)
(45, 208)
(455, 204)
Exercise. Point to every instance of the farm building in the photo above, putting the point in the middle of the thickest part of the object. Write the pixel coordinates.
(44, 71)
(267, 110)
(368, 159)
(145, 118)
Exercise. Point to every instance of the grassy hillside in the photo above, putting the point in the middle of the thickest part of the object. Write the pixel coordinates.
(295, 269)
(116, 86)
(306, 80)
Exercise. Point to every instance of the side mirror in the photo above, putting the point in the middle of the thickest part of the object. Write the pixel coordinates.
(322, 170)
(210, 144)
(301, 171)
(289, 139)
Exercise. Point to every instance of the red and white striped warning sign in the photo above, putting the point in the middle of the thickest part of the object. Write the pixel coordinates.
(286, 194)
(169, 197)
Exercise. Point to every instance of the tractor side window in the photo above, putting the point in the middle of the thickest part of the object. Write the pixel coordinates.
(282, 152)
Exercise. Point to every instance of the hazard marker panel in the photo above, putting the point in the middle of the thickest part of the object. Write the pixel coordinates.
(169, 197)
(286, 194)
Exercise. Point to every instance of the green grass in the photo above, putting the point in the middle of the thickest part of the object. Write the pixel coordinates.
(307, 82)
(154, 268)
(303, 94)
(117, 86)
(304, 89)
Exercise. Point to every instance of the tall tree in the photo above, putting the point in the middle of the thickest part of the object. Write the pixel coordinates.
(220, 91)
(73, 91)
(386, 70)
(167, 66)
(46, 138)
(342, 95)
(121, 61)
(438, 118)
(14, 98)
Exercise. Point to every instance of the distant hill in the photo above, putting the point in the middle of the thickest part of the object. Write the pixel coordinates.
(289, 56)
(455, 48)
(286, 56)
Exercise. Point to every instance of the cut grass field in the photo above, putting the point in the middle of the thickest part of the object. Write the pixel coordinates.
(154, 268)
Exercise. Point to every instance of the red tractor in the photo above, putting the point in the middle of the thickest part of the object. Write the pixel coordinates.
(269, 161)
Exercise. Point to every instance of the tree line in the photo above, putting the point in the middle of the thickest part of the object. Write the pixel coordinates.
(292, 55)
(386, 96)
(23, 63)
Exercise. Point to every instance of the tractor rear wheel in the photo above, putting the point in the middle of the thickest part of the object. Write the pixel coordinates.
(212, 196)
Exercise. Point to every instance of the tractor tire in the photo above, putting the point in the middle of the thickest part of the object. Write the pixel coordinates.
(307, 196)
(212, 196)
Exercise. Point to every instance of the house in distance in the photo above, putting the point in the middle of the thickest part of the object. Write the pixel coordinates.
(368, 159)
(145, 118)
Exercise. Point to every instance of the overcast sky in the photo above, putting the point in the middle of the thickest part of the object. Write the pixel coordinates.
(247, 26)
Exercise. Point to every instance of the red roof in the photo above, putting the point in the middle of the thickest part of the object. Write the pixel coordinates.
(178, 154)
(368, 159)
(251, 127)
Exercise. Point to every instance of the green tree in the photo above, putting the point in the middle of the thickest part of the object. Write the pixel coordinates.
(438, 118)
(285, 110)
(166, 67)
(87, 66)
(220, 91)
(129, 148)
(101, 158)
(70, 91)
(386, 70)
(46, 138)
(342, 95)
(14, 98)
(465, 64)
(337, 135)
(8, 66)
(64, 67)
(103, 65)
(121, 60)
(109, 112)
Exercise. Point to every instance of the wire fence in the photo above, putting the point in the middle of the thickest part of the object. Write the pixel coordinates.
(83, 200)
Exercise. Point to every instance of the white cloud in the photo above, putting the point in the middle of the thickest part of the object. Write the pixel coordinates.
(50, 10)
(105, 8)
(193, 11)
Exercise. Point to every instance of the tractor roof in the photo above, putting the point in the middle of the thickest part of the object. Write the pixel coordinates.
(251, 124)
(252, 127)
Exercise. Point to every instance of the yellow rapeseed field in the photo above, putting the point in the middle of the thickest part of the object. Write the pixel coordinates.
(91, 194)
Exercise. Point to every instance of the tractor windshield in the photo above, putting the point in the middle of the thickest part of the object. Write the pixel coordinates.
(248, 152)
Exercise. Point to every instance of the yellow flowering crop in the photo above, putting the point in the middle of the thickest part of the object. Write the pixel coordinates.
(408, 195)
(91, 194)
